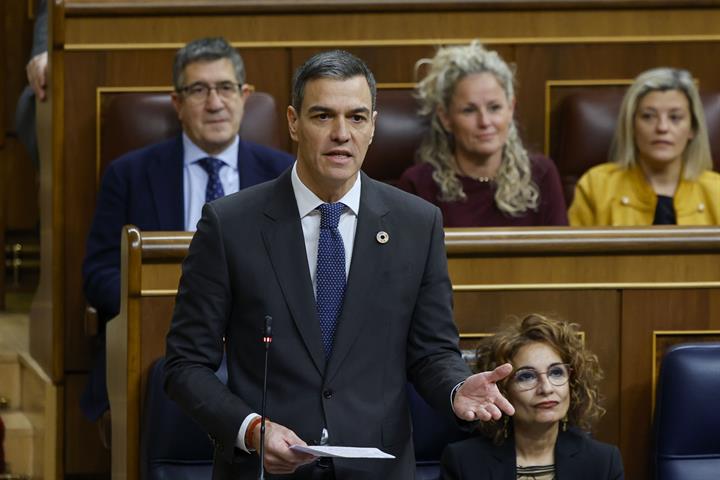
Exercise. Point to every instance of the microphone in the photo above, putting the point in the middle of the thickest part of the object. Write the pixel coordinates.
(267, 340)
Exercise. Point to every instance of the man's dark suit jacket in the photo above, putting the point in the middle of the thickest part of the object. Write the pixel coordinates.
(145, 188)
(577, 456)
(248, 260)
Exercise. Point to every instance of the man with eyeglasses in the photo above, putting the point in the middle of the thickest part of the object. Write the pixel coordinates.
(165, 185)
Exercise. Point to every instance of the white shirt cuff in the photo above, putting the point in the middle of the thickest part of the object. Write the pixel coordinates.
(452, 397)
(240, 440)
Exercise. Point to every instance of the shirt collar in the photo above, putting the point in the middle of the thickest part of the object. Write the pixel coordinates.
(307, 201)
(192, 153)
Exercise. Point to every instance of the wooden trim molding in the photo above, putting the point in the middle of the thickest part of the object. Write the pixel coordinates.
(565, 240)
(187, 7)
(344, 43)
(500, 287)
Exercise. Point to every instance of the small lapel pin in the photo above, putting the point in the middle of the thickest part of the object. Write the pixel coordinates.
(382, 237)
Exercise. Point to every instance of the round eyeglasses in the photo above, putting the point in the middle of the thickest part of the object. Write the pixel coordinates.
(528, 378)
(199, 92)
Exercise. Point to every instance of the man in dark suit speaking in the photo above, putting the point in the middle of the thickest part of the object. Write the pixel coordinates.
(354, 275)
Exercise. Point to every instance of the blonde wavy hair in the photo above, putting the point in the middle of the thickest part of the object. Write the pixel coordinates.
(515, 191)
(696, 156)
(562, 337)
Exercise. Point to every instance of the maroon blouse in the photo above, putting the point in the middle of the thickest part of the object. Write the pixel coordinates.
(479, 209)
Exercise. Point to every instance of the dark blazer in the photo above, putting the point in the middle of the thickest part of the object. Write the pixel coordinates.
(145, 188)
(576, 456)
(248, 260)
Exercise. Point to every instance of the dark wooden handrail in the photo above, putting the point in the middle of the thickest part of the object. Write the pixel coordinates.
(189, 7)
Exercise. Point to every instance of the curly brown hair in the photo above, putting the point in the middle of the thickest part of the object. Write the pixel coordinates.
(564, 338)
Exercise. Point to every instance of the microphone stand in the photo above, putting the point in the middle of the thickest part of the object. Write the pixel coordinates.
(267, 340)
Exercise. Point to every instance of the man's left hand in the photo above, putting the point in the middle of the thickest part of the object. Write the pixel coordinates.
(479, 398)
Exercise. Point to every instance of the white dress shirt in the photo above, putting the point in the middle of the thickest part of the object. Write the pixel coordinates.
(195, 177)
(307, 203)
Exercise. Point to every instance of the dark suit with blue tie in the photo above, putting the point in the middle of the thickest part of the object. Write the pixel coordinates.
(248, 260)
(145, 188)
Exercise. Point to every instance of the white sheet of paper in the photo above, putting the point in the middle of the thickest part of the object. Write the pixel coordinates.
(342, 452)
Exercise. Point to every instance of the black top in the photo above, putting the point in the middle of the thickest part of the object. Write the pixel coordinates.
(577, 456)
(664, 211)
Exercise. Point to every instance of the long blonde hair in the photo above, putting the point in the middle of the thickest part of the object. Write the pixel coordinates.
(696, 156)
(515, 191)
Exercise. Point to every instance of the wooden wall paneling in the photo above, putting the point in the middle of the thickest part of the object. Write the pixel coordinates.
(268, 69)
(46, 319)
(21, 189)
(5, 66)
(644, 311)
(597, 62)
(18, 205)
(371, 27)
(3, 157)
(86, 71)
(596, 311)
(16, 30)
(83, 72)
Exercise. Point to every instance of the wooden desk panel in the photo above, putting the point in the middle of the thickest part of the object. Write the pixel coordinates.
(618, 318)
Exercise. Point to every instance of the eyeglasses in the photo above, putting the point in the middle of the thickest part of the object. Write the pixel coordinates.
(528, 378)
(199, 92)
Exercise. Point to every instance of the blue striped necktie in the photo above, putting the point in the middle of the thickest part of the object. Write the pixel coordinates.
(214, 188)
(330, 273)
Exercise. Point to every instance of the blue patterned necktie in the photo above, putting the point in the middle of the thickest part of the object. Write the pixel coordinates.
(330, 273)
(214, 188)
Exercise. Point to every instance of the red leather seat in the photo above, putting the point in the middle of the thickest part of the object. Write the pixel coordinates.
(131, 120)
(586, 125)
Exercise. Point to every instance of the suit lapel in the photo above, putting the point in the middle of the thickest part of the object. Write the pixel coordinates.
(284, 241)
(366, 260)
(568, 464)
(506, 466)
(165, 177)
(246, 167)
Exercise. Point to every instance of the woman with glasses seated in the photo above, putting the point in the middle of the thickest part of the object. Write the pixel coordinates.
(660, 169)
(472, 163)
(554, 389)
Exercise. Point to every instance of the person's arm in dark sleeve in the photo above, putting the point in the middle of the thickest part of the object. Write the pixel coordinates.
(101, 268)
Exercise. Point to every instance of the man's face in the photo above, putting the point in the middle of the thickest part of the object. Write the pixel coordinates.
(333, 130)
(211, 121)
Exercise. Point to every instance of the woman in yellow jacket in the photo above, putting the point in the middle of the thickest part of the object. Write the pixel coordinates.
(660, 170)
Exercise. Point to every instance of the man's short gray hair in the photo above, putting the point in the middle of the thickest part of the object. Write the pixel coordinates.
(206, 50)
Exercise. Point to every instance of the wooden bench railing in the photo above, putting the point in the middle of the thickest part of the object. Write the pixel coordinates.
(634, 292)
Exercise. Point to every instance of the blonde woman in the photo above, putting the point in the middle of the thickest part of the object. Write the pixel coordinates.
(660, 169)
(472, 163)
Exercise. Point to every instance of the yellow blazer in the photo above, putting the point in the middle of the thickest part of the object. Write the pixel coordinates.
(609, 194)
